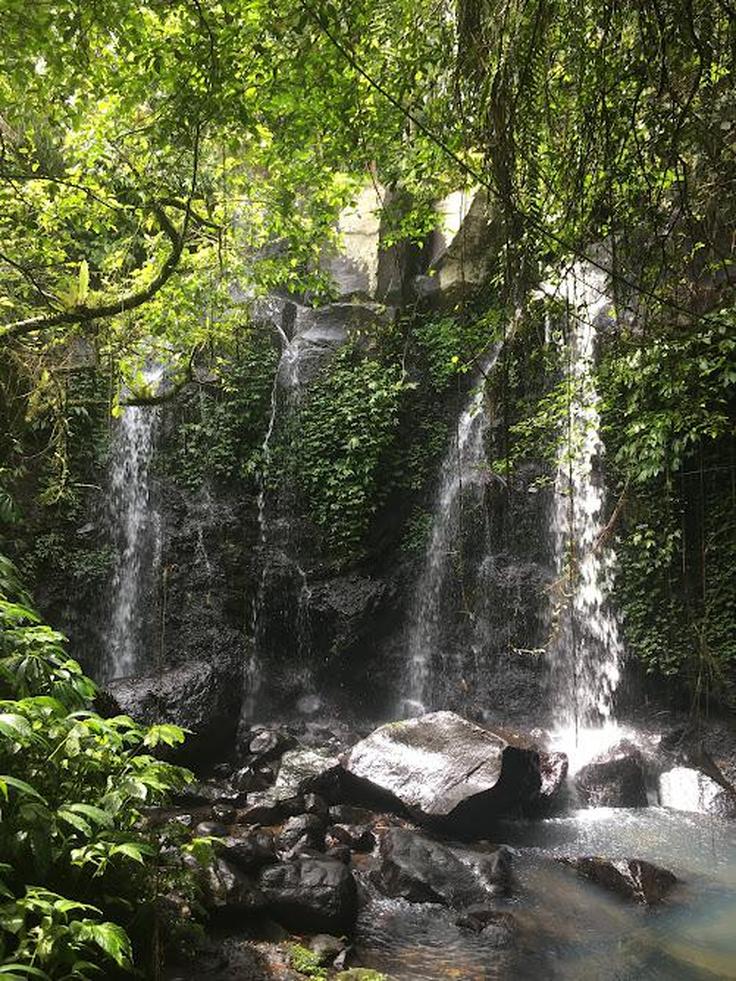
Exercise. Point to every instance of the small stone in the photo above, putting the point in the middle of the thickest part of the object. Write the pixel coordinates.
(224, 813)
(326, 947)
(210, 829)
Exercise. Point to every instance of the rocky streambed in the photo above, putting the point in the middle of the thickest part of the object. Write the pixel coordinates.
(434, 848)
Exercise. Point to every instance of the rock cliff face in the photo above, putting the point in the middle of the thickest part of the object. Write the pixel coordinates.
(240, 566)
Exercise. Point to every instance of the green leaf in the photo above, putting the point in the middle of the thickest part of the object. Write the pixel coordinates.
(112, 939)
(22, 786)
(83, 282)
(95, 814)
(15, 727)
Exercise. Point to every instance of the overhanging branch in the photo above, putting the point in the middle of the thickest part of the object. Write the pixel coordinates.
(130, 301)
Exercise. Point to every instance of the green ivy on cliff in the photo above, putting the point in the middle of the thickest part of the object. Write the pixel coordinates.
(219, 427)
(670, 426)
(346, 425)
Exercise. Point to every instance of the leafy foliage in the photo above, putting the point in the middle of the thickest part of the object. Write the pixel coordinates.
(71, 787)
(346, 426)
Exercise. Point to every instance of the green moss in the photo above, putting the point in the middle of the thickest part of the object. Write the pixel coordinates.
(306, 962)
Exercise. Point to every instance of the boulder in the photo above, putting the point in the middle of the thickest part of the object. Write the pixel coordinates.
(421, 870)
(224, 813)
(248, 852)
(304, 830)
(553, 769)
(207, 792)
(261, 808)
(357, 837)
(227, 889)
(632, 878)
(686, 788)
(306, 770)
(200, 696)
(267, 744)
(615, 779)
(446, 772)
(311, 894)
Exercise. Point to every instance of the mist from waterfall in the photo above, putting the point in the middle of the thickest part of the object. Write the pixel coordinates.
(136, 532)
(462, 480)
(586, 649)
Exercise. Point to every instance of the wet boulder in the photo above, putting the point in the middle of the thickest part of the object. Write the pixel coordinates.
(634, 879)
(553, 768)
(200, 696)
(304, 831)
(357, 837)
(227, 889)
(421, 870)
(266, 744)
(614, 779)
(306, 770)
(685, 788)
(311, 894)
(261, 808)
(249, 850)
(446, 772)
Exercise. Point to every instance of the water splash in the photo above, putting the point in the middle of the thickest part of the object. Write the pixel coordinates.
(462, 476)
(136, 531)
(586, 647)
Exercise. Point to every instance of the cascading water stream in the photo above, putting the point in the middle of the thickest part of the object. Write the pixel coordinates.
(586, 648)
(272, 549)
(136, 531)
(462, 474)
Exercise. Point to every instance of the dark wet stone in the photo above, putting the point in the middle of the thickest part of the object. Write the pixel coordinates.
(311, 894)
(306, 770)
(632, 878)
(229, 889)
(314, 804)
(305, 830)
(424, 871)
(224, 813)
(356, 836)
(447, 772)
(553, 769)
(482, 919)
(213, 829)
(615, 779)
(199, 696)
(349, 814)
(250, 851)
(339, 852)
(208, 792)
(327, 947)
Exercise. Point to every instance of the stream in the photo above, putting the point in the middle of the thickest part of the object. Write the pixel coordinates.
(570, 928)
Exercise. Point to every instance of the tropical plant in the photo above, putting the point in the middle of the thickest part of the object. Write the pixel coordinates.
(74, 843)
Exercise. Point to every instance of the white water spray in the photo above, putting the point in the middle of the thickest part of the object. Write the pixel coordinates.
(136, 529)
(586, 648)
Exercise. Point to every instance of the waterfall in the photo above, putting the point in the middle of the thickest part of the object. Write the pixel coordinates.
(586, 648)
(136, 532)
(462, 479)
(276, 550)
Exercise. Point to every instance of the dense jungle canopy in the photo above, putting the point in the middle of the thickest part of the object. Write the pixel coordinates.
(161, 159)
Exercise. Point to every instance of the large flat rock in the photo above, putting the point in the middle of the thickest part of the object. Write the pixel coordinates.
(447, 772)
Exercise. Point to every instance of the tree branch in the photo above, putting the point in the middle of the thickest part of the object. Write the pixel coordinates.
(130, 301)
